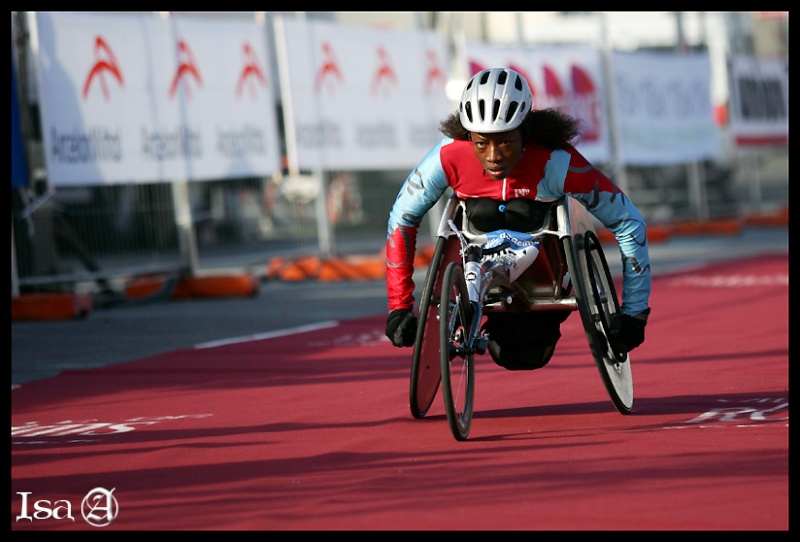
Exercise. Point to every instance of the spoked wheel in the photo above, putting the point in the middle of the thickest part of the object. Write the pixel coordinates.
(599, 308)
(457, 361)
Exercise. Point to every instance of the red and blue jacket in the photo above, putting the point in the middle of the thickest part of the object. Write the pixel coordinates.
(542, 174)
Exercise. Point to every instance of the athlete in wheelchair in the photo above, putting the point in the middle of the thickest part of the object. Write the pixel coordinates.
(513, 169)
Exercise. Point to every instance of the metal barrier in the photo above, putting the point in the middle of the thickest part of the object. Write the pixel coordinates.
(100, 234)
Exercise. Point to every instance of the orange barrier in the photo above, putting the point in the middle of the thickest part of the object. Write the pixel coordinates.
(363, 268)
(722, 226)
(51, 306)
(326, 269)
(146, 286)
(732, 226)
(338, 268)
(185, 287)
(302, 268)
(655, 234)
(217, 286)
(779, 218)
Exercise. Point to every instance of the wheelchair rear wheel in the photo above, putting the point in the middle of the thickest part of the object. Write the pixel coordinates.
(457, 359)
(600, 312)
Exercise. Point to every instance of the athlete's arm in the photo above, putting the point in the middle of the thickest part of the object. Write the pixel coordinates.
(419, 193)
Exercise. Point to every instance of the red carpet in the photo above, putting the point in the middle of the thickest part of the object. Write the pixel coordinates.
(312, 431)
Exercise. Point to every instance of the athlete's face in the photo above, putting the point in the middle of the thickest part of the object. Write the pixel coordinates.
(498, 153)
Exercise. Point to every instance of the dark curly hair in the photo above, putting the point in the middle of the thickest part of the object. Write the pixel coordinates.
(550, 128)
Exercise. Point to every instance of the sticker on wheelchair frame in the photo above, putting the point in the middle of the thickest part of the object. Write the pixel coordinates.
(522, 250)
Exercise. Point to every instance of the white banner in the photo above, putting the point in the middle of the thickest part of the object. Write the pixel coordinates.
(759, 107)
(360, 98)
(663, 102)
(567, 77)
(136, 98)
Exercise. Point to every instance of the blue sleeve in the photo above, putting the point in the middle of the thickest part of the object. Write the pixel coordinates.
(620, 216)
(421, 190)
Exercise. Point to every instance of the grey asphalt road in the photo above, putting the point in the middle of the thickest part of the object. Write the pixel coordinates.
(135, 330)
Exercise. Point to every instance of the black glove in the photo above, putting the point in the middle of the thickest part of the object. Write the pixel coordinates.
(630, 333)
(401, 327)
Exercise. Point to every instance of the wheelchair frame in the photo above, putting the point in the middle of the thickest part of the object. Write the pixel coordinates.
(569, 273)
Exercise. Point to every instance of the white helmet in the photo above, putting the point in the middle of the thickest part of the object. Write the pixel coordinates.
(495, 100)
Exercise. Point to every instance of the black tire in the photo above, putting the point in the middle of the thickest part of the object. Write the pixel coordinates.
(425, 367)
(457, 361)
(599, 307)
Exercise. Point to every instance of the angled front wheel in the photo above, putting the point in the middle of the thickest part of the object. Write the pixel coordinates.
(457, 359)
(600, 312)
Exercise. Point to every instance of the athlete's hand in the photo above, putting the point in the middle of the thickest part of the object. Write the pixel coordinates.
(630, 333)
(401, 327)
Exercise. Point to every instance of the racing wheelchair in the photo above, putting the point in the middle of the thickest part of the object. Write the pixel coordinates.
(561, 266)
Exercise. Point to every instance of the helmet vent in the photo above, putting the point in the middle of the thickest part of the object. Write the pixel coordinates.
(512, 108)
(482, 109)
(495, 110)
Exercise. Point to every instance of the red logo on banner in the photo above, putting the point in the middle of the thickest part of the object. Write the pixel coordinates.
(186, 67)
(586, 104)
(385, 72)
(329, 68)
(106, 63)
(435, 72)
(552, 87)
(250, 71)
(474, 67)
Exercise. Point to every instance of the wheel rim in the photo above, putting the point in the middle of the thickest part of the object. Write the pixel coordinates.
(456, 360)
(605, 307)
